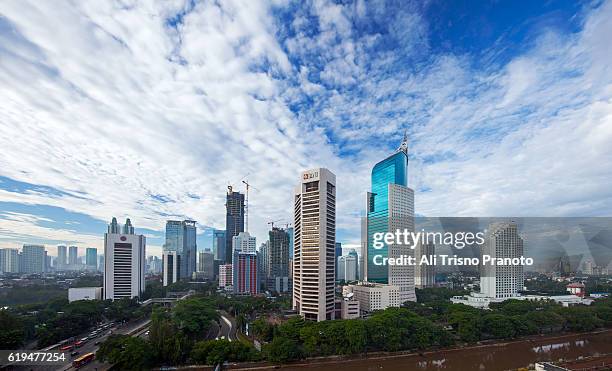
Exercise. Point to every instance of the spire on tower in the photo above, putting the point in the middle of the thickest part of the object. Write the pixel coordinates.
(404, 145)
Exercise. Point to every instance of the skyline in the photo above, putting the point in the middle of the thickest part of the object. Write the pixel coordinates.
(508, 111)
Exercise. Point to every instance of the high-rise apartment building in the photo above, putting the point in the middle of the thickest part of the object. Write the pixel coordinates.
(33, 259)
(219, 245)
(502, 281)
(225, 277)
(73, 257)
(244, 264)
(91, 258)
(181, 237)
(124, 263)
(425, 274)
(390, 207)
(314, 225)
(234, 219)
(9, 261)
(62, 257)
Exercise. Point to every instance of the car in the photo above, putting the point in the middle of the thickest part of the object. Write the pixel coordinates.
(97, 343)
(75, 353)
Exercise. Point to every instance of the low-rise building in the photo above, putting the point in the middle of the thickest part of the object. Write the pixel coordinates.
(375, 296)
(350, 309)
(84, 293)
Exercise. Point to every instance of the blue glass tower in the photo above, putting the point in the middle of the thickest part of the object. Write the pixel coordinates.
(392, 170)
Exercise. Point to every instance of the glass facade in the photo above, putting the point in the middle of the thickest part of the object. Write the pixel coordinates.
(181, 237)
(392, 170)
(219, 244)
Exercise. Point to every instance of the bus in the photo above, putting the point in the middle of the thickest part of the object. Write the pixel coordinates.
(83, 360)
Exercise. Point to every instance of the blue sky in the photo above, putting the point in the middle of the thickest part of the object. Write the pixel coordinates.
(149, 110)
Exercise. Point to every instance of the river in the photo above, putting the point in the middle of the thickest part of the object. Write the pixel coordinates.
(503, 356)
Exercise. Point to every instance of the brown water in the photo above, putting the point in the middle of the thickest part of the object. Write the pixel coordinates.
(508, 356)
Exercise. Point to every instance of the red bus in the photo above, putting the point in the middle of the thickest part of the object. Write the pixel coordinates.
(83, 360)
(66, 348)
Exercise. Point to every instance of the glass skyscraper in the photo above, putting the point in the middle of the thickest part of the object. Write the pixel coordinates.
(219, 245)
(181, 238)
(91, 257)
(392, 170)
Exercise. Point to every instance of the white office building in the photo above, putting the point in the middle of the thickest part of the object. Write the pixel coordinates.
(314, 245)
(124, 264)
(502, 281)
(171, 263)
(425, 275)
(375, 296)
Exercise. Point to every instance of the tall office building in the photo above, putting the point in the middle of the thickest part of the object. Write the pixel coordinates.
(347, 268)
(219, 245)
(263, 259)
(181, 237)
(62, 257)
(234, 219)
(279, 260)
(206, 265)
(290, 234)
(425, 275)
(244, 242)
(338, 254)
(73, 257)
(390, 207)
(33, 259)
(171, 263)
(314, 268)
(9, 261)
(502, 281)
(91, 258)
(124, 263)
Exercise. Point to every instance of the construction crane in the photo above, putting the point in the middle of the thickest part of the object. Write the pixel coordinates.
(246, 206)
(272, 223)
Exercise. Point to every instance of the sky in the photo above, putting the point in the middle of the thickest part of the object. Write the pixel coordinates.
(149, 110)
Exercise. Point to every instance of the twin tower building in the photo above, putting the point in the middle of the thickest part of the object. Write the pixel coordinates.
(389, 206)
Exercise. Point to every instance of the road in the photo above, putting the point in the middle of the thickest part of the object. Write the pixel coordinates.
(228, 326)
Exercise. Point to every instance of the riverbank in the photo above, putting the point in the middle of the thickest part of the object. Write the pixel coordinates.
(499, 355)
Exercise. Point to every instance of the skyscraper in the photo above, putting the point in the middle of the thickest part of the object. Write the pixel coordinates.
(244, 264)
(73, 257)
(33, 257)
(124, 263)
(9, 261)
(279, 260)
(390, 207)
(181, 237)
(91, 258)
(502, 281)
(425, 275)
(338, 254)
(347, 268)
(219, 245)
(314, 268)
(62, 257)
(234, 219)
(263, 259)
(171, 262)
(206, 265)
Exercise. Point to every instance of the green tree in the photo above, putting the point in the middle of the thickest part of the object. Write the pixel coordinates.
(13, 331)
(126, 352)
(282, 350)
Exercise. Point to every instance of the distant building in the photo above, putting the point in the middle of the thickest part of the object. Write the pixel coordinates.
(206, 265)
(33, 257)
(576, 288)
(278, 260)
(425, 275)
(181, 237)
(124, 263)
(219, 244)
(62, 257)
(347, 266)
(234, 219)
(73, 257)
(314, 266)
(225, 277)
(263, 259)
(91, 258)
(154, 264)
(171, 261)
(244, 265)
(372, 296)
(84, 293)
(502, 281)
(337, 255)
(9, 261)
(101, 263)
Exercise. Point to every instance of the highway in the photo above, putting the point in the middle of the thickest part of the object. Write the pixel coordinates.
(228, 326)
